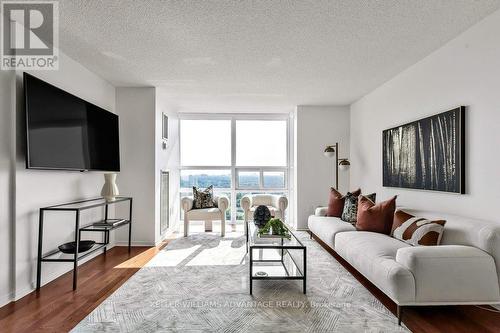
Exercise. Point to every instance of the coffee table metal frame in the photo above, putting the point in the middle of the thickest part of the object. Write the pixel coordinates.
(281, 247)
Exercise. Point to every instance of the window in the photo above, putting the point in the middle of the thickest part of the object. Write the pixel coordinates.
(274, 179)
(248, 179)
(237, 154)
(205, 178)
(261, 143)
(205, 142)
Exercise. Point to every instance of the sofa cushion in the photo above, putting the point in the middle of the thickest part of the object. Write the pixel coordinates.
(327, 227)
(374, 256)
(417, 230)
(375, 217)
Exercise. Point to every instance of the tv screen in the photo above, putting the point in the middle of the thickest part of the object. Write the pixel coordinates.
(66, 132)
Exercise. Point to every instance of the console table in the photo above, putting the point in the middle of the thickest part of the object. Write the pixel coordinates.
(78, 207)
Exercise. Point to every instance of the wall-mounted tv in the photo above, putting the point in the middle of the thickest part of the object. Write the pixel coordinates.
(64, 132)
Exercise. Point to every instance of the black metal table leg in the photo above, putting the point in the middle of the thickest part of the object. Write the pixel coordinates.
(282, 250)
(106, 240)
(251, 268)
(77, 243)
(39, 259)
(130, 226)
(305, 270)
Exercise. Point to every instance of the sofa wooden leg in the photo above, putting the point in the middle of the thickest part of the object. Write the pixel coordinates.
(399, 312)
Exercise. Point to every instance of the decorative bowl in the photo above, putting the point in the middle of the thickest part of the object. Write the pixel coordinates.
(70, 247)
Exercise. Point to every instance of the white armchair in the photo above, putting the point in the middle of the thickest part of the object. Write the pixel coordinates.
(277, 205)
(205, 214)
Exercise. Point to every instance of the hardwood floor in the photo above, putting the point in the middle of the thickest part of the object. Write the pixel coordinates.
(430, 319)
(57, 308)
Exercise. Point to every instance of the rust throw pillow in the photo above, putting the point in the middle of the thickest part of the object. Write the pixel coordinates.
(375, 217)
(336, 202)
(417, 230)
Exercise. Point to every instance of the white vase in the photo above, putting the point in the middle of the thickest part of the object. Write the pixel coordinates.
(110, 190)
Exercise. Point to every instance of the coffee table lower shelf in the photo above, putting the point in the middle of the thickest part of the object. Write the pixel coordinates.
(284, 268)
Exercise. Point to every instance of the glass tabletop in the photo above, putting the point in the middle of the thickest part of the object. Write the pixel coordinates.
(84, 204)
(255, 240)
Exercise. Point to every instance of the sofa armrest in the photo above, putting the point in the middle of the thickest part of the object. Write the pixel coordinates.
(451, 273)
(320, 211)
(246, 202)
(187, 204)
(280, 202)
(222, 203)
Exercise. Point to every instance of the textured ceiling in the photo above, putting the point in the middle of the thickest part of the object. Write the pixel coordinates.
(259, 55)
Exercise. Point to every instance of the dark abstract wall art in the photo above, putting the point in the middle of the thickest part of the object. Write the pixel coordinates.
(427, 154)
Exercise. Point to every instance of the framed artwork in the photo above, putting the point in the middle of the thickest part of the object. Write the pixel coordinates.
(427, 154)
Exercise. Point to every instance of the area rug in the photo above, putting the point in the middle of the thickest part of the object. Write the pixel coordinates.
(200, 284)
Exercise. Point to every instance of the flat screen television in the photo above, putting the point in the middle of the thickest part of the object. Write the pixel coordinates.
(64, 132)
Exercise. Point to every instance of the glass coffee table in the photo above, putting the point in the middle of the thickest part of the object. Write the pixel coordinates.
(275, 258)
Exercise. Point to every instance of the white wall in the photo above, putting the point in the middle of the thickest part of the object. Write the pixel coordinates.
(314, 174)
(167, 160)
(35, 188)
(466, 71)
(137, 110)
(6, 184)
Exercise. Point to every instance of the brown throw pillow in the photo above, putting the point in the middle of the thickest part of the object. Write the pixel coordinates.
(336, 202)
(375, 217)
(417, 230)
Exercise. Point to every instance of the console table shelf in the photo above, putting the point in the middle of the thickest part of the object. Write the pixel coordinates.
(77, 207)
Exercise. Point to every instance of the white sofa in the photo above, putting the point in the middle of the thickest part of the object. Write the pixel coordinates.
(464, 269)
(205, 214)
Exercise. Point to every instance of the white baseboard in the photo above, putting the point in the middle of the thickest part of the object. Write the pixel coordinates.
(47, 278)
(6, 299)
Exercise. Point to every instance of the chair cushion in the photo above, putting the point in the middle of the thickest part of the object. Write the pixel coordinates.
(374, 256)
(204, 214)
(327, 227)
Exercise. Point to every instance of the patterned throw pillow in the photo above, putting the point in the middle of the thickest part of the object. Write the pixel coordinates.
(336, 202)
(203, 199)
(350, 211)
(417, 230)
